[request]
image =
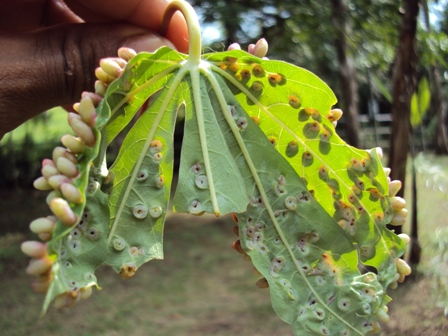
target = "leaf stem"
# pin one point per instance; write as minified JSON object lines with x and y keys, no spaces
{"x":194,"y":30}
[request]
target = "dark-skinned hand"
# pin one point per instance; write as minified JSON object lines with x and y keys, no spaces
{"x":49,"y":49}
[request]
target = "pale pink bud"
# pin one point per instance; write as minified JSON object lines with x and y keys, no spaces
{"x":48,"y":162}
{"x":52,"y":194}
{"x":100,"y":88}
{"x":81,"y":129}
{"x":34,"y":249}
{"x":62,"y":210}
{"x":96,"y":99}
{"x":394,"y":187}
{"x":403,"y":267}
{"x":57,"y":180}
{"x":110,"y":67}
{"x":387,"y":171}
{"x":250,"y":48}
{"x":75,"y":145}
{"x":234,"y":46}
{"x":42,"y":225}
{"x":41,"y":183}
{"x":66,"y":167}
{"x":48,"y":171}
{"x":397,"y":203}
{"x":71,"y":193}
{"x":399,"y":217}
{"x":126,"y":53}
{"x":76,"y":107}
{"x":57,"y":153}
{"x":336,"y":114}
{"x":103,"y":76}
{"x":45,"y":236}
{"x":261,"y":48}
{"x":405,"y":238}
{"x":87,"y":111}
{"x":39,"y":266}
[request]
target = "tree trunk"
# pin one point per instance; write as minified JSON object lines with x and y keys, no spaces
{"x":404,"y":84}
{"x":347,"y":74}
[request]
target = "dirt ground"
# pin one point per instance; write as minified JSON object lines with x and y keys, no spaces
{"x":202,"y":288}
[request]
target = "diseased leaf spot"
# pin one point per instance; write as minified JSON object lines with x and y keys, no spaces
{"x":93,"y":233}
{"x":258,"y":70}
{"x":232,"y":110}
{"x":344,"y":304}
{"x":156,"y":145}
{"x":292,"y":149}
{"x":140,"y":211}
{"x":234,"y":67}
{"x":157,"y":157}
{"x":245,"y":73}
{"x":291,"y":203}
{"x":75,"y":245}
{"x":118,"y":244}
{"x":294,"y":101}
{"x":279,"y":189}
{"x":155,"y":211}
{"x":241,"y":123}
{"x":256,"y":120}
{"x":307,"y":159}
{"x":273,"y":140}
{"x":142,"y":175}
{"x":359,"y":184}
{"x":323,"y":173}
{"x":231,"y":59}
{"x":277,"y":264}
{"x":319,"y":314}
{"x":275,"y":78}
{"x":195,"y":207}
{"x":75,"y":234}
{"x":311,"y":112}
{"x":160,"y":181}
{"x":257,"y":86}
{"x":201,"y":182}
{"x":196,"y":168}
{"x":312,"y":303}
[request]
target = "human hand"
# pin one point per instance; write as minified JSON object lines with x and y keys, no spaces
{"x":50,"y":48}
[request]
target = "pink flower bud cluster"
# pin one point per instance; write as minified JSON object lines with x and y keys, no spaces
{"x":59,"y":175}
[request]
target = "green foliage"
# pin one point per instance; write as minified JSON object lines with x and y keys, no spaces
{"x":420,"y":102}
{"x":258,"y":141}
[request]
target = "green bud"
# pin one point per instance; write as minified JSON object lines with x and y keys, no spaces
{"x":52,"y":194}
{"x":48,"y":171}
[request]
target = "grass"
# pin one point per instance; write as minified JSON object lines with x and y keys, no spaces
{"x":201,"y":288}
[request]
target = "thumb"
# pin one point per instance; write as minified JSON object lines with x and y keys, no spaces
{"x":52,"y":67}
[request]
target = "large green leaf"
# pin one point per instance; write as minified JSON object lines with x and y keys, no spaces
{"x":258,"y":141}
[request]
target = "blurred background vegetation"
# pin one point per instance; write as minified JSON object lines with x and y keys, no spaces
{"x":387,"y":62}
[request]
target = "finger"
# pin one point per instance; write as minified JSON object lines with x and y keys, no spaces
{"x":52,"y":67}
{"x":143,"y":13}
{"x":20,"y":16}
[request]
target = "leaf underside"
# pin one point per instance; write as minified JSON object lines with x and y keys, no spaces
{"x":259,"y":142}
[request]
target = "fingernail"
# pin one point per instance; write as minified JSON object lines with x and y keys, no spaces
{"x":147,"y":42}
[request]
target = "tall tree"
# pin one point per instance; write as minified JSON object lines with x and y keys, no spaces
{"x":404,"y":84}
{"x":347,"y":74}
